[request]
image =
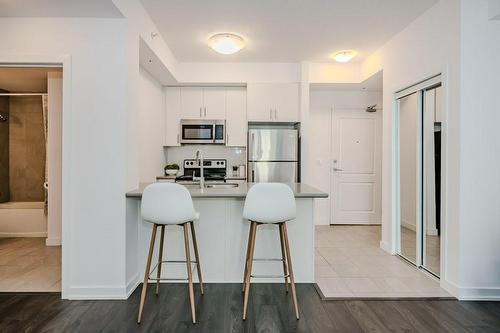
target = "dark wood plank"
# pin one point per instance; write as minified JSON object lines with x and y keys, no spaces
{"x":220,"y":310}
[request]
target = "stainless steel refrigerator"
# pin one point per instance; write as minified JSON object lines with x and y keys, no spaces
{"x":273,"y":155}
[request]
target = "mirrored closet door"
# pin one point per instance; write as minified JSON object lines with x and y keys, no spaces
{"x":419,"y":174}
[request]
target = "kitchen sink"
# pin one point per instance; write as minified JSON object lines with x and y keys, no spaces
{"x":221,"y":185}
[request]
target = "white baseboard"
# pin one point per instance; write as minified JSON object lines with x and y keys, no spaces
{"x":385,"y":246}
{"x":479,"y":294}
{"x":96,"y":293}
{"x":53,"y":241}
{"x":23,"y":234}
{"x":450,"y":287}
{"x":132,"y":285}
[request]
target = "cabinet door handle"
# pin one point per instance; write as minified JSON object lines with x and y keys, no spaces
{"x":271,"y":114}
{"x":200,"y":111}
{"x":275,"y":114}
{"x":205,"y":109}
{"x":227,"y":138}
{"x":178,"y":140}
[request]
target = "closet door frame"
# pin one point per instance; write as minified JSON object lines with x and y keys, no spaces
{"x":420,"y":89}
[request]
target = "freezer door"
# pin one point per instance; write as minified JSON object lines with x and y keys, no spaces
{"x":273,"y":145}
{"x":268,"y":172}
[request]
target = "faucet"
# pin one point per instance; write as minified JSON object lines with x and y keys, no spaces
{"x":199,"y":157}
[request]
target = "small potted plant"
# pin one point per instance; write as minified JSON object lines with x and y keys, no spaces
{"x":235,"y":170}
{"x":171,"y":169}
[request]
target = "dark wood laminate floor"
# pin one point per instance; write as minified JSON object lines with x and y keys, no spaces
{"x":220,"y":310}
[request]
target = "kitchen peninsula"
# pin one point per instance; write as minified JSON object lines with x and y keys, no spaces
{"x":222,"y":235}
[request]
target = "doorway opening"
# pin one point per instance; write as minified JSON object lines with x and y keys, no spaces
{"x":30,"y":178}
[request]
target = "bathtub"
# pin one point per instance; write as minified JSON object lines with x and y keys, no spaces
{"x":22,"y":219}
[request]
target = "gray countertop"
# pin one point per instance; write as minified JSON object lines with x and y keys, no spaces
{"x":300,"y":190}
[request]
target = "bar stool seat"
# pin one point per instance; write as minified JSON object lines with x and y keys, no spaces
{"x":269,"y":203}
{"x":169,"y":204}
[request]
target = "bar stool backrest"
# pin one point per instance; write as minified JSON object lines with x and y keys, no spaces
{"x":270,"y":203}
{"x":167,"y":203}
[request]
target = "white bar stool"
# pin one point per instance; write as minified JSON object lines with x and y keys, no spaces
{"x":169,"y":204}
{"x":269,"y":203}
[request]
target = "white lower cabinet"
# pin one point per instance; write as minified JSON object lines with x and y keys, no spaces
{"x":236,"y":117}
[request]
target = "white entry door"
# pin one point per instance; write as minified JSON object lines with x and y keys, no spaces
{"x":356,"y":170}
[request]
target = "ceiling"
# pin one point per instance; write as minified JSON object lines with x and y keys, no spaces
{"x":24,"y":79}
{"x":58,"y":8}
{"x":374,"y":84}
{"x":282,"y":30}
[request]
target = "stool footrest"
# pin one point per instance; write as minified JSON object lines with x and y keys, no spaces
{"x":270,"y":276}
{"x":267,"y":259}
{"x":193,"y":267}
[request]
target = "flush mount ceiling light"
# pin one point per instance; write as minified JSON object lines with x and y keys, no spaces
{"x":226,"y":43}
{"x":344,"y":56}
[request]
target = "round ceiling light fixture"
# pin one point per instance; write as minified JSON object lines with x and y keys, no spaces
{"x":344,"y":56}
{"x":226,"y":43}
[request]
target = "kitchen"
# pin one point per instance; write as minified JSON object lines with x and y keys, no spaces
{"x":339,"y":107}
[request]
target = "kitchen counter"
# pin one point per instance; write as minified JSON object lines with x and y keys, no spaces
{"x":222,"y":235}
{"x":300,"y":190}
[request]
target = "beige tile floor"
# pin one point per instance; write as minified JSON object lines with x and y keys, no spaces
{"x":350,"y":263}
{"x":27,"y":265}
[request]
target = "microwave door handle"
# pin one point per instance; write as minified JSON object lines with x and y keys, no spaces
{"x":214,"y":134}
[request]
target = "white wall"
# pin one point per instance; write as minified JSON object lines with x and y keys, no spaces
{"x":322,"y":102}
{"x":94,"y":142}
{"x":151,"y":115}
{"x":480,"y":154}
{"x":428,"y":46}
{"x":54,"y":157}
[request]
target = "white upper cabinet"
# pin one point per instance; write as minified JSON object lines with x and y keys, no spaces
{"x":236,"y":117}
{"x":273,"y":102}
{"x":214,"y":103}
{"x":173,"y":116}
{"x":203,"y":103}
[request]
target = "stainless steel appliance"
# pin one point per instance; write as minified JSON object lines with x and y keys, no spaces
{"x":214,"y":170}
{"x":203,"y":131}
{"x":273,"y":154}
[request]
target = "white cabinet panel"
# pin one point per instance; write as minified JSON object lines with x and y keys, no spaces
{"x":173,"y":116}
{"x":214,"y":103}
{"x":275,"y":102}
{"x":236,"y":117}
{"x":191,"y":102}
{"x":287,"y":102}
{"x":260,"y":102}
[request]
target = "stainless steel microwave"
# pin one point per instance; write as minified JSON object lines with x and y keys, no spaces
{"x":203,"y":131}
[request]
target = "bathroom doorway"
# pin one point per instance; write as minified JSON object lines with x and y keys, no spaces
{"x":30,"y":178}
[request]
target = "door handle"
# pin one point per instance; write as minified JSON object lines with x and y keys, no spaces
{"x":205,"y":109}
{"x":271,"y":114}
{"x":275,"y":114}
{"x":178,"y":138}
{"x":200,"y":111}
{"x":337,"y":169}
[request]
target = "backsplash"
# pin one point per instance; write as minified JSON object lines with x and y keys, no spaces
{"x":233,"y":155}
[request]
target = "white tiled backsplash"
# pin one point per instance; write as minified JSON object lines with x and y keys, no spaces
{"x":233,"y":155}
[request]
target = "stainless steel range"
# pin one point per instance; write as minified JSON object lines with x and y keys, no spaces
{"x":214,"y":170}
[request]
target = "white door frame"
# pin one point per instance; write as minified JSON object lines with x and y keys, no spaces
{"x":22,"y":60}
{"x":378,"y":151}
{"x":432,"y":80}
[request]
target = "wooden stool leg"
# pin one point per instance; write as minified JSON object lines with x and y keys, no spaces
{"x":146,"y":273}
{"x":289,"y":262}
{"x":197,"y":257}
{"x":160,"y":259}
{"x":190,"y":274}
{"x":246,"y":258}
{"x":253,"y":229}
{"x":283,"y":256}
